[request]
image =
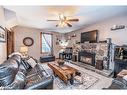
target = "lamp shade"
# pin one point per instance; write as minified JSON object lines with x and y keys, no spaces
{"x":23,"y":49}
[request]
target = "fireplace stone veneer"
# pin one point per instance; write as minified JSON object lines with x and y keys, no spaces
{"x":102,"y":52}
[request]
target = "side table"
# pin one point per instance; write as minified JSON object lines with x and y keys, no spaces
{"x":74,"y":58}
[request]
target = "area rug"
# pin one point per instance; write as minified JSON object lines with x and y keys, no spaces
{"x":87,"y":82}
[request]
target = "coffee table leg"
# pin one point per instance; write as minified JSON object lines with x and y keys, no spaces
{"x":55,"y":74}
{"x":72,"y":79}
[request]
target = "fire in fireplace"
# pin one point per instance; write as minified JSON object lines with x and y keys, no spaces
{"x":86,"y":57}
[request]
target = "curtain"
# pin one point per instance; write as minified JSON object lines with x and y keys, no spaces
{"x":10,"y":41}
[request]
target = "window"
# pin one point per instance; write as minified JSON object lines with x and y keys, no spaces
{"x":46,"y":43}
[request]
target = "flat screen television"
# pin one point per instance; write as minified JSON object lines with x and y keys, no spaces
{"x":90,"y":36}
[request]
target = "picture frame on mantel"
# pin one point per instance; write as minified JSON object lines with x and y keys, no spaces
{"x":2,"y":34}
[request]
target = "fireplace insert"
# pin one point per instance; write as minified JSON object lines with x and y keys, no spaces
{"x":86,"y":57}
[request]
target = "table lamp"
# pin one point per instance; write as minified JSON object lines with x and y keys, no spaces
{"x":24,"y":51}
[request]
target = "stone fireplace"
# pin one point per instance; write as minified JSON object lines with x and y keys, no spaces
{"x":94,"y":56}
{"x":99,"y":51}
{"x":86,"y":57}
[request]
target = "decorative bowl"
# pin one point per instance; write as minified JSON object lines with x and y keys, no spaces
{"x":60,"y":62}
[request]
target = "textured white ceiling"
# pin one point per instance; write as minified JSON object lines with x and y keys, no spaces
{"x":36,"y":16}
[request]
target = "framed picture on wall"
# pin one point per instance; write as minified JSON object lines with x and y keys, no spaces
{"x":2,"y":34}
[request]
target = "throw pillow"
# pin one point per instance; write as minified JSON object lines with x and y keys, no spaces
{"x":32,"y":62}
{"x":26,"y":64}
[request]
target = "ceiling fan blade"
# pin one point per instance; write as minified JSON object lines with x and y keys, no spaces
{"x":73,"y":20}
{"x":69,"y":24}
{"x":52,"y":20}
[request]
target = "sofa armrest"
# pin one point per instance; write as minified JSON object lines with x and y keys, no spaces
{"x":38,"y":78}
{"x":118,"y":83}
{"x":40,"y":84}
{"x":18,"y":83}
{"x":122,"y":73}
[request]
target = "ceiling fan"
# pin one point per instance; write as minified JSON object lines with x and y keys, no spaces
{"x":63,"y":21}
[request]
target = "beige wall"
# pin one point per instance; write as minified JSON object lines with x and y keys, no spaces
{"x":2,"y":45}
{"x":34,"y":50}
{"x":119,"y":37}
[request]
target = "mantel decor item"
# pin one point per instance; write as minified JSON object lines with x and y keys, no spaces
{"x":2,"y":34}
{"x":60,"y":62}
{"x":28,"y":41}
{"x":117,"y":27}
{"x":74,"y":35}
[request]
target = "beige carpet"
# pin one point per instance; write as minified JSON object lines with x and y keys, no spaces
{"x":103,"y":81}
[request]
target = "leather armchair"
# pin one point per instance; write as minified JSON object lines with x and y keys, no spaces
{"x":119,"y":82}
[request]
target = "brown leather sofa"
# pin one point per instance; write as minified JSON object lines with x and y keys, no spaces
{"x":16,"y":73}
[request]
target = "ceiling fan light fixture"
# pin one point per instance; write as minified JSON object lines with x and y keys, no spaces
{"x":64,"y":21}
{"x":61,"y":16}
{"x":62,"y":24}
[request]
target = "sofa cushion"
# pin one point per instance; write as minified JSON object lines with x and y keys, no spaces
{"x":23,"y":69}
{"x":7,"y":76}
{"x":19,"y":81}
{"x":32,"y":62}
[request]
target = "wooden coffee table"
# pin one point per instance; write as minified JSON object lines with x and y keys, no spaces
{"x":65,"y":72}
